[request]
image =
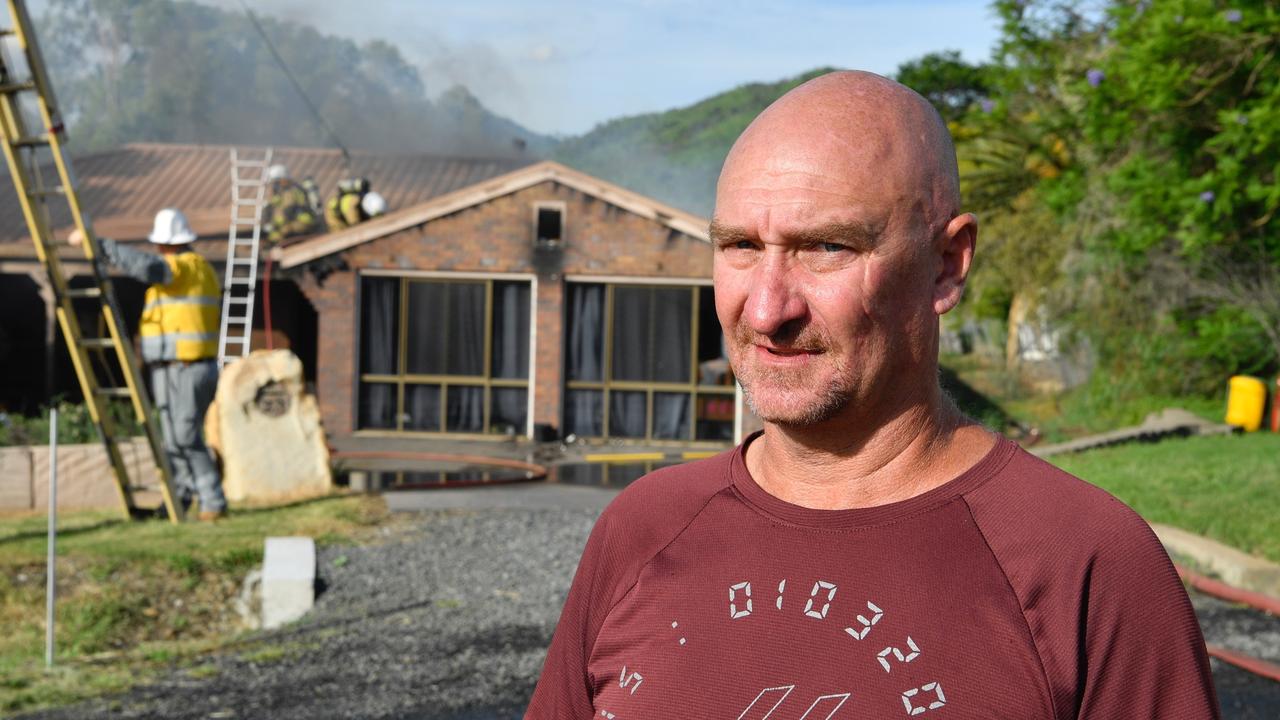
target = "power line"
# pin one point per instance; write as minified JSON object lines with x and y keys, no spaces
{"x":346,"y":156}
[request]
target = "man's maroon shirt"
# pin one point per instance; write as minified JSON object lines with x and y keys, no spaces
{"x":1013,"y":591}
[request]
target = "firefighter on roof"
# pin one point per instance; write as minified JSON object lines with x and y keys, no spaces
{"x":353,"y":204}
{"x":288,"y":212}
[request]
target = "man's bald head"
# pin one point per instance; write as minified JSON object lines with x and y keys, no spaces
{"x":868,"y":127}
{"x":838,"y":244}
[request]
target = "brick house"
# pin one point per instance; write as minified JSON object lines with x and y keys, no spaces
{"x":498,"y":298}
{"x":540,"y":303}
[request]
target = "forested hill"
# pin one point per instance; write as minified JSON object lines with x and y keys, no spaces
{"x":183,"y":72}
{"x":165,"y":71}
{"x":674,"y":156}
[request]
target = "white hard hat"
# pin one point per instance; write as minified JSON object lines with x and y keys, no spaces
{"x":171,"y":228}
{"x":373,"y":204}
{"x":277,"y":172}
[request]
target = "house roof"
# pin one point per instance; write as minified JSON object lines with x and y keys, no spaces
{"x":122,"y":189}
{"x":320,"y":246}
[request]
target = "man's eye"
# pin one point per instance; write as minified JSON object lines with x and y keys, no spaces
{"x":743,"y":245}
{"x":831,"y":247}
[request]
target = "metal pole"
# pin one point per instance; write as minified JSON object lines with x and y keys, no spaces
{"x":50,"y":590}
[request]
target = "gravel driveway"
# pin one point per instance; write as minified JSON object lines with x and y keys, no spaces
{"x":449,"y":618}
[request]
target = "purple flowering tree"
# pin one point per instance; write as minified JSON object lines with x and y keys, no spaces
{"x":1148,"y":134}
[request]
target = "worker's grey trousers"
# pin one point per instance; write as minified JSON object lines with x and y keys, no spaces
{"x":183,"y":393}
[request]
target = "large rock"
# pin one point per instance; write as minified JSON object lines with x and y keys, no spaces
{"x":267,"y":430}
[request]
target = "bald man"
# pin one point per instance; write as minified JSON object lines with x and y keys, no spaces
{"x":872,"y":553}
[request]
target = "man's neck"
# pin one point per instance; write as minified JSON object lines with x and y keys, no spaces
{"x":834,"y":466}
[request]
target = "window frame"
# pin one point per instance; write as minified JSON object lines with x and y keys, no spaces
{"x":606,"y":384}
{"x":402,"y":378}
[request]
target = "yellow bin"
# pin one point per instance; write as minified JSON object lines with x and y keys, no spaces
{"x":1245,"y":401}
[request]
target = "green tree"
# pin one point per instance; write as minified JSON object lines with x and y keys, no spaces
{"x":950,"y":83}
{"x":1151,"y":131}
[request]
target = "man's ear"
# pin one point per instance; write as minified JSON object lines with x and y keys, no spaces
{"x":955,"y":246}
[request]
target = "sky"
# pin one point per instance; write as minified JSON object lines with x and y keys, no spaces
{"x":563,"y":66}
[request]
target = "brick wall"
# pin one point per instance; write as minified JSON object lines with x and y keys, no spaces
{"x":496,"y":236}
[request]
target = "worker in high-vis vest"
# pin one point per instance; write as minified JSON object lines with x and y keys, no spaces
{"x":179,"y":343}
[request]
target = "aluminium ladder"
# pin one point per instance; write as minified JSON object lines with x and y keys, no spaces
{"x":248,"y":192}
{"x":105,"y":363}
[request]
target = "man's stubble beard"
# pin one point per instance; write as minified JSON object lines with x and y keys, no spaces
{"x":827,"y":401}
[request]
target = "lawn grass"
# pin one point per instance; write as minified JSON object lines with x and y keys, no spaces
{"x":1223,"y":487}
{"x":137,"y":597}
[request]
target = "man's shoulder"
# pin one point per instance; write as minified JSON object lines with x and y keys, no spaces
{"x":662,"y":503}
{"x":1042,"y":509}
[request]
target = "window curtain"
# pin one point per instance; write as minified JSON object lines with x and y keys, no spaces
{"x":671,"y":348}
{"x":632,"y":353}
{"x":422,"y":407}
{"x":377,"y":406}
{"x":632,"y":331}
{"x":425,"y":337}
{"x":651,"y":328}
{"x":671,"y":416}
{"x":466,"y":409}
{"x":464,"y":338}
{"x":627,"y":414}
{"x":510,"y":330}
{"x":379,"y":325}
{"x":509,"y":409}
{"x":584,"y":359}
{"x":379,"y":345}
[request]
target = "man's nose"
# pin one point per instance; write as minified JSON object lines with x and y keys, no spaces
{"x":775,"y":299}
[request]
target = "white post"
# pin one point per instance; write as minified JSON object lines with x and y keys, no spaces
{"x":50,"y":588}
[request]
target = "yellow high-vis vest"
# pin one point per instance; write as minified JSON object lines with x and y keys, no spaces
{"x":180,"y":320}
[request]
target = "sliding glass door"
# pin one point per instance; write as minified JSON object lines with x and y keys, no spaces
{"x":645,"y":362}
{"x":444,"y":355}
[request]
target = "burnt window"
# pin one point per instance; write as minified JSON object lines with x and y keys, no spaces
{"x":549,"y":224}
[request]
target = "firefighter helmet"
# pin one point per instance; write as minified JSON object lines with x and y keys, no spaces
{"x":171,"y":228}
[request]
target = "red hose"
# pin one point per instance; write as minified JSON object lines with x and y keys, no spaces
{"x":1248,"y":663}
{"x":266,"y":302}
{"x":1218,"y":589}
{"x":1255,"y":600}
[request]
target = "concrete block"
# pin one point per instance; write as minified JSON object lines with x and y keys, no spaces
{"x":288,"y":579}
{"x":1235,"y":568}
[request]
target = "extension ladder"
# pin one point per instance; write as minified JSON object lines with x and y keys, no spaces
{"x":28,"y":103}
{"x":248,"y":192}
